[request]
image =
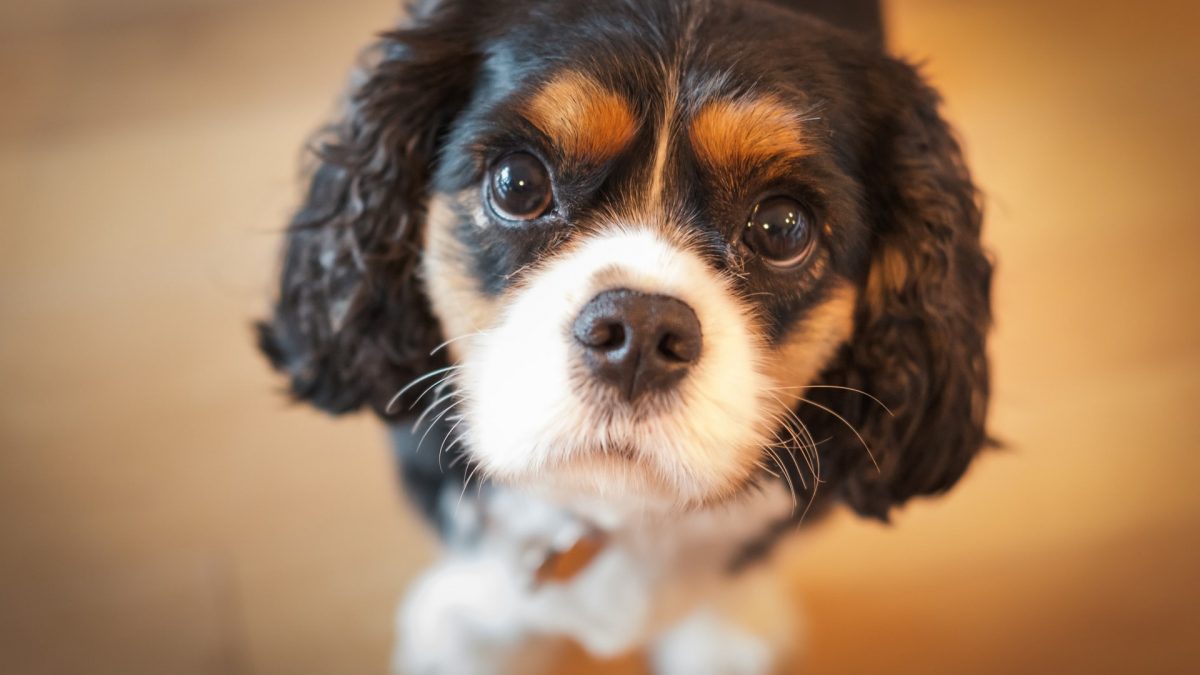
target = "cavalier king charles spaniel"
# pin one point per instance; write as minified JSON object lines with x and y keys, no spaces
{"x":639,"y":287}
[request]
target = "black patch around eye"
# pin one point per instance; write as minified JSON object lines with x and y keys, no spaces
{"x":498,"y":252}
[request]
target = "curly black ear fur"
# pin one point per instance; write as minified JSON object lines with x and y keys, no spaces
{"x":922,"y":320}
{"x":352,"y":324}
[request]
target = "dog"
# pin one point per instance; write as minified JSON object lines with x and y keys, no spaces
{"x":640,"y":288}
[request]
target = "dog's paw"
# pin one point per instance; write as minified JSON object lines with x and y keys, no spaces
{"x":704,"y":644}
{"x":454,"y":621}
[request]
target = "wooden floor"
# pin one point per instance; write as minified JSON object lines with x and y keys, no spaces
{"x":162,"y":510}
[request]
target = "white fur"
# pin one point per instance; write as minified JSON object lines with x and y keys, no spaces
{"x":532,"y":415}
{"x":474,"y":612}
{"x":459,"y":617}
{"x":749,"y":627}
{"x":706,"y":644}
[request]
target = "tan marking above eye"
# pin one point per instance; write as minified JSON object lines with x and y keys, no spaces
{"x":734,"y":135}
{"x":583,"y":117}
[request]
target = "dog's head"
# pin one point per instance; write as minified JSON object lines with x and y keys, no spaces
{"x":658,"y":252}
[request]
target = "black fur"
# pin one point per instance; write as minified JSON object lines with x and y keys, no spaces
{"x":921,"y":329}
{"x":352,"y":324}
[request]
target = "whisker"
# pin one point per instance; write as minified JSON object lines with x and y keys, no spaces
{"x":786,"y":477}
{"x":799,"y":474}
{"x":517,"y":271}
{"x":812,"y":462}
{"x":430,"y":388}
{"x":459,"y":458}
{"x":433,"y":423}
{"x":449,"y":434}
{"x":413,"y":383}
{"x":851,"y":428}
{"x":452,"y":340}
{"x":816,"y":458}
{"x":811,"y":444}
{"x":464,"y":489}
{"x":782,"y":445}
{"x":834,"y":386}
{"x":812,"y":497}
{"x":430,"y":408}
{"x":800,"y":446}
{"x":767,"y":469}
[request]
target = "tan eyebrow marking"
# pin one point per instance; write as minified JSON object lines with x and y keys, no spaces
{"x":585,"y":118}
{"x":735,"y":134}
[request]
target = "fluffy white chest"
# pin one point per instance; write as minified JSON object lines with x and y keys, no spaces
{"x":650,"y":572}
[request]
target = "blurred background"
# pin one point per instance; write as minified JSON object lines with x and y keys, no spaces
{"x":164,"y":510}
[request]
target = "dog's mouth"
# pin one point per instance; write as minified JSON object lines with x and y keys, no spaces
{"x":616,"y":477}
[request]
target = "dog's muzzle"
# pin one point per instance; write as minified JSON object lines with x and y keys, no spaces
{"x":638,"y":342}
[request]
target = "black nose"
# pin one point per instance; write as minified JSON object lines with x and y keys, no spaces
{"x":638,"y":342}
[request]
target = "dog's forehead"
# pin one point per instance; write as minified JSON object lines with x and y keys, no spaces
{"x":715,"y":49}
{"x":589,"y":119}
{"x":597,"y":79}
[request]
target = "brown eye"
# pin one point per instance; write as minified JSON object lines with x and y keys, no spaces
{"x":520,"y":187}
{"x":779,"y":232}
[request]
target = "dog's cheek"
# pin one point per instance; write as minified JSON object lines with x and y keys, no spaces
{"x":519,"y":395}
{"x":454,"y":293}
{"x":809,"y":346}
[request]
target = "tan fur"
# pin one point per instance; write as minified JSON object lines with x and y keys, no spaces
{"x":729,"y":136}
{"x":583,"y":118}
{"x":814,"y":341}
{"x":888,"y":275}
{"x":454,"y":293}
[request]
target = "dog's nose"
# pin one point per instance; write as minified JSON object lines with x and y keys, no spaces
{"x":638,"y":342}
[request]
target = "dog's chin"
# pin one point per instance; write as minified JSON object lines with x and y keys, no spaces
{"x":622,"y":479}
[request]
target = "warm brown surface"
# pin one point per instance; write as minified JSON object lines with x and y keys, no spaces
{"x":162,"y":511}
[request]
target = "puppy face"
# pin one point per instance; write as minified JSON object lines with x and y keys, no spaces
{"x":640,"y":262}
{"x":669,"y":251}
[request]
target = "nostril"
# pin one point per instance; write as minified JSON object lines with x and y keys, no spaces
{"x":614,"y":338}
{"x":675,"y":347}
{"x":600,"y":334}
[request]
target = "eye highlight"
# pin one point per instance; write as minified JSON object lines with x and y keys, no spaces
{"x":780,"y":232}
{"x":519,"y":187}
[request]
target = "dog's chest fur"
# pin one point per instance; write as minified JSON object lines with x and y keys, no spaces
{"x":649,"y":572}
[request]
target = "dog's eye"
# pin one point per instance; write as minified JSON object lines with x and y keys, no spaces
{"x":520,"y":187}
{"x":779,"y":231}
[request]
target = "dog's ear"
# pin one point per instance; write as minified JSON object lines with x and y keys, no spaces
{"x":922,"y":320}
{"x":351,"y":324}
